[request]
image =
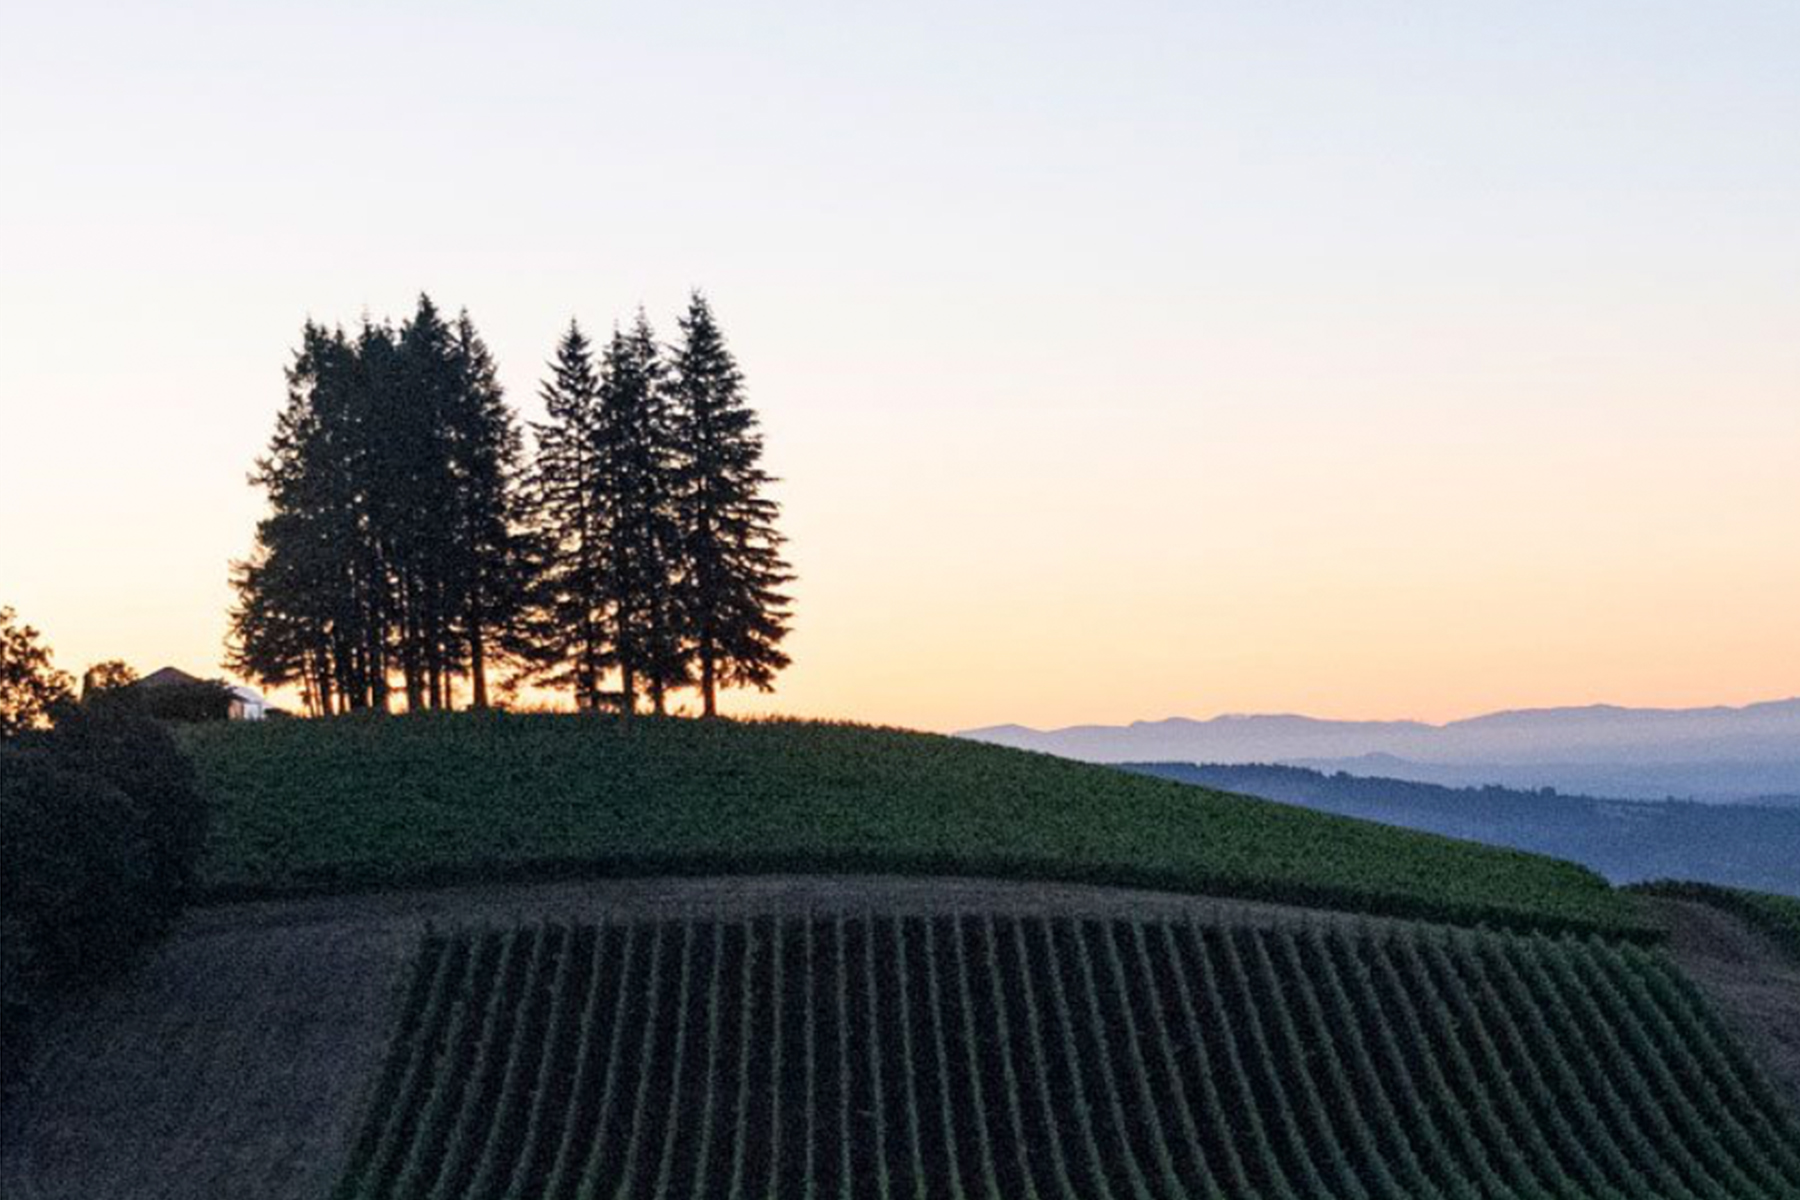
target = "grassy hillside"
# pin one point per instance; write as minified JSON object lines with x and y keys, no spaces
{"x":1776,"y":916}
{"x":1030,"y":1057}
{"x":358,"y":803}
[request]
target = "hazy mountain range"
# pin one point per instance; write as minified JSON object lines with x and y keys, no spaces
{"x":1714,"y":754}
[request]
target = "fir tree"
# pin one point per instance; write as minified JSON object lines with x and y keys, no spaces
{"x":491,"y":560}
{"x":419,"y":429}
{"x":379,"y":499}
{"x":734,"y":609}
{"x":574,"y":648}
{"x":643,"y":543}
{"x":298,"y":618}
{"x":394,"y":538}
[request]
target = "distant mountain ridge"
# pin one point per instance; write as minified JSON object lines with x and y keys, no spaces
{"x":1712,"y":753}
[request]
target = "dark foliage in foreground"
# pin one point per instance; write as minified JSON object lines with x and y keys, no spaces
{"x":201,"y":700}
{"x":1007,"y":1056}
{"x":103,"y":825}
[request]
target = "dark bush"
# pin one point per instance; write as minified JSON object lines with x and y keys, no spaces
{"x":202,"y":700}
{"x":101,"y":825}
{"x":112,"y":739}
{"x":75,"y":871}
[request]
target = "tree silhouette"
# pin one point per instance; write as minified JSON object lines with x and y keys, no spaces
{"x":394,"y":538}
{"x":643,"y":550}
{"x":492,"y":560}
{"x":574,"y":646}
{"x":408,"y":536}
{"x":736,"y":612}
{"x":30,"y":685}
{"x":108,"y":676}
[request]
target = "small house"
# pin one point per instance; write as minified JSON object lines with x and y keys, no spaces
{"x":175,"y":695}
{"x":247,"y":704}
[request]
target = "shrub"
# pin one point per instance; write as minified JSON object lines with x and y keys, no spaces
{"x":202,"y":700}
{"x":75,"y":872}
{"x":110,"y":738}
{"x":101,"y":826}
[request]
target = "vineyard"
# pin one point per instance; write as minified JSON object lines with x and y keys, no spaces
{"x":1025,"y":1056}
{"x":345,"y":804}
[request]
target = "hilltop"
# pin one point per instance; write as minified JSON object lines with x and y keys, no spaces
{"x":347,"y":804}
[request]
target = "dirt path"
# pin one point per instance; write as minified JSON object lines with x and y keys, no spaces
{"x":1755,"y":986}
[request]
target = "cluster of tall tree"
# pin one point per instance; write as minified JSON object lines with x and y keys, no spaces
{"x":414,"y":544}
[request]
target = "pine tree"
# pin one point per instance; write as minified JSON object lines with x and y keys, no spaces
{"x":379,"y":497}
{"x":490,"y":563}
{"x":574,"y":648}
{"x":419,"y":427}
{"x":732,"y":602}
{"x":297,"y":619}
{"x":643,"y":543}
{"x":394,"y":533}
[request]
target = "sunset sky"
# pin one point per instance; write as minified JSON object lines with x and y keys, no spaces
{"x":1119,"y":360}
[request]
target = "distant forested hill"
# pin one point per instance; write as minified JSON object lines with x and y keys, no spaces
{"x":1747,"y":846}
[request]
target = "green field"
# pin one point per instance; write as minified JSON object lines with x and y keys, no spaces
{"x":380,"y":802}
{"x":1017,"y":1056}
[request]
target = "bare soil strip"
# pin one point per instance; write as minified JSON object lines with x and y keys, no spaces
{"x":1750,"y":980}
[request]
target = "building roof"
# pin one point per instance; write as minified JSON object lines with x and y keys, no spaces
{"x":168,"y":677}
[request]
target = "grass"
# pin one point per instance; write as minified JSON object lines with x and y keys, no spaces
{"x":367,"y":803}
{"x":1778,"y":917}
{"x":1018,"y":1056}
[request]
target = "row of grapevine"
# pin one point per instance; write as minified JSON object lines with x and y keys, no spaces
{"x":992,"y":1056}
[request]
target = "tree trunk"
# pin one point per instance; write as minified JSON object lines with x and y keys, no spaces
{"x":378,"y":670}
{"x":434,"y":668}
{"x":409,"y":651}
{"x":477,"y":666}
{"x":587,"y":677}
{"x":709,"y":705}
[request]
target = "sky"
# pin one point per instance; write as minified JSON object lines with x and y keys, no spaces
{"x":1118,"y":361}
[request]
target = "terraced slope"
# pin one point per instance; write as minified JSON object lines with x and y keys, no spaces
{"x":1028,"y":1056}
{"x":379,"y":802}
